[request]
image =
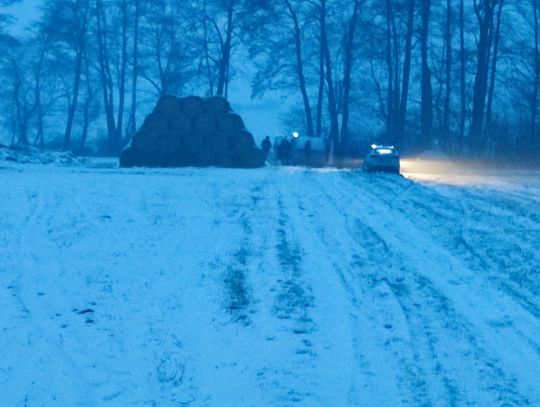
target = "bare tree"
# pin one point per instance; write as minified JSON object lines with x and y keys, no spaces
{"x":485,"y":12}
{"x":349,"y":57}
{"x":494,"y":59}
{"x":132,"y":121}
{"x":448,"y":72}
{"x":426,"y":120}
{"x":300,"y":66}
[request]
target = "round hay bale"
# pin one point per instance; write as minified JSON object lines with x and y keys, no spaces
{"x":181,"y":123}
{"x":172,"y":152}
{"x":180,"y":136}
{"x":168,"y":106}
{"x":253,"y":158}
{"x":245,"y":141}
{"x":152,"y":158}
{"x":155,"y":123}
{"x":171,"y":141}
{"x":217,"y":105}
{"x":192,"y":106}
{"x":241,"y":141}
{"x":215,"y":143}
{"x":181,"y":157}
{"x":130,"y":157}
{"x":224,"y":160}
{"x":204,"y":124}
{"x":206,"y":159}
{"x":230,"y":123}
{"x":145,"y":140}
{"x":194,"y":144}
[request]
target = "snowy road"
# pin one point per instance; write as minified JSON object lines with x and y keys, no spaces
{"x":271,"y":287}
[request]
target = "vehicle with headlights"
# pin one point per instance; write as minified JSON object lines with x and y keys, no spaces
{"x":309,"y":151}
{"x":382,"y":158}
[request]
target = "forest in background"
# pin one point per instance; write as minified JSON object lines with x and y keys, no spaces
{"x":462,"y":76}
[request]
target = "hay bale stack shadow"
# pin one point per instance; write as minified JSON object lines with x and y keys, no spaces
{"x":192,"y":131}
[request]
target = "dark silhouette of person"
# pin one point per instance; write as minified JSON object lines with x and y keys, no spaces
{"x":266,"y":146}
{"x":285,"y":151}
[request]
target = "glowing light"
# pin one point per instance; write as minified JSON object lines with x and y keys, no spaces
{"x":385,"y":151}
{"x":374,"y":146}
{"x":296,"y":134}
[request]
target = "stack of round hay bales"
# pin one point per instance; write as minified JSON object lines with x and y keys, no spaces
{"x":193,"y":131}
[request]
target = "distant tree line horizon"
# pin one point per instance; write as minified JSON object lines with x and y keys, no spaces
{"x":459,"y":75}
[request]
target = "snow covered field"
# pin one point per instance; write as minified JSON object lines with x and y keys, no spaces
{"x":271,"y":287}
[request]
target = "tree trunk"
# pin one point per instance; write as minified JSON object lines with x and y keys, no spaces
{"x":320,"y":95}
{"x":448,"y":84}
{"x":23,"y":132}
{"x":21,"y":112}
{"x":88,"y":101}
{"x":22,"y":136}
{"x":38,"y":102}
{"x":40,"y":142}
{"x":485,"y":13}
{"x":406,"y":76}
{"x":492,"y":82}
{"x":72,"y":108}
{"x":390,"y":115}
{"x":347,"y":71}
{"x":332,"y":105}
{"x":86,"y":121}
{"x":79,"y":53}
{"x":132,"y":122}
{"x":426,"y":121}
{"x":396,"y":100}
{"x":226,"y":51}
{"x":209,"y":73}
{"x":300,"y":69}
{"x":462,"y":82}
{"x":123,"y":69}
{"x":106,"y":81}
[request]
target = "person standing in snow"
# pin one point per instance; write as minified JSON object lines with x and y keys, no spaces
{"x":285,"y":151}
{"x":266,"y":146}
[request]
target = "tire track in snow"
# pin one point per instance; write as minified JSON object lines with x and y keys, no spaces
{"x":279,"y":382}
{"x":510,"y":258}
{"x":465,"y":204}
{"x":293,"y":301}
{"x":262,"y":286}
{"x":45,"y":347}
{"x":384,"y":301}
{"x":35,"y":205}
{"x":507,"y":384}
{"x":346,"y":205}
{"x":336,"y":379}
{"x":244,"y":212}
{"x":239,"y":293}
{"x":377,"y":379}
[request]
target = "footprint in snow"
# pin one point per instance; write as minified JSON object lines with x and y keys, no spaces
{"x":171,"y":370}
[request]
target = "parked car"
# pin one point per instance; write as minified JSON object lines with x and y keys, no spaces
{"x":382,"y":158}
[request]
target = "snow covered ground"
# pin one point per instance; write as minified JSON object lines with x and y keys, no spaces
{"x":272,"y":287}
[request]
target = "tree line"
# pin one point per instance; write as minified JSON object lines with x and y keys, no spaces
{"x":459,"y":75}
